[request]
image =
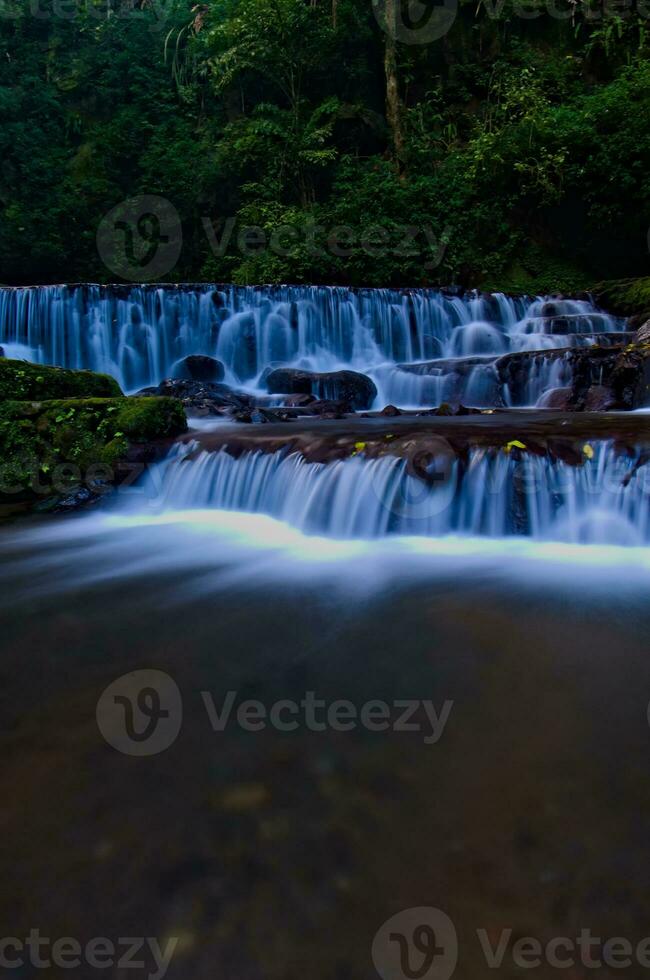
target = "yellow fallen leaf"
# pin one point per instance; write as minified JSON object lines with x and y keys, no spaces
{"x":359,"y":446}
{"x":588,"y":450}
{"x":513,"y":444}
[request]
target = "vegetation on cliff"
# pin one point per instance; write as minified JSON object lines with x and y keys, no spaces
{"x":52,"y":445}
{"x":515,"y":145}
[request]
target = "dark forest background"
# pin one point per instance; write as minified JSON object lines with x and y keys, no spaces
{"x":520,"y":139}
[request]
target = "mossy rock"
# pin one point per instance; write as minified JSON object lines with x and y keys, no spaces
{"x":627,"y":297}
{"x":21,"y":380}
{"x":51,"y":446}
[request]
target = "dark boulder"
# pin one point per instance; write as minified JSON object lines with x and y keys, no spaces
{"x":600,"y":398}
{"x":202,"y":397}
{"x":637,"y":320}
{"x":199,"y":367}
{"x":326,"y":409}
{"x":357,"y":390}
{"x":630,"y":379}
{"x":556,"y":398}
{"x":550,"y":310}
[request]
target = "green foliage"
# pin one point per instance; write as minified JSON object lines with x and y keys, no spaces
{"x":629,"y":296}
{"x":76,"y":441}
{"x":526,"y":161}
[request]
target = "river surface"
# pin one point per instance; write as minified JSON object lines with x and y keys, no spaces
{"x":305,"y":678}
{"x":280,"y":854}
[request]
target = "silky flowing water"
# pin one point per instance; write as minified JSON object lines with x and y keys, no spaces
{"x":512,"y":590}
{"x":420,"y":346}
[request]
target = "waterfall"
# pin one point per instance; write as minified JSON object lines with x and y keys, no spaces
{"x":420,"y":346}
{"x":606,"y":500}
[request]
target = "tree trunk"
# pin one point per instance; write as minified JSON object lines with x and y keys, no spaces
{"x":394,"y":107}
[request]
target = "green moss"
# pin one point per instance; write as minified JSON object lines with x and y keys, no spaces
{"x":628,"y":297}
{"x":53,"y":445}
{"x":21,"y":380}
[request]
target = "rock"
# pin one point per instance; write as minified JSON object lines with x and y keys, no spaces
{"x":2,"y":352}
{"x":21,"y":380}
{"x":466,"y":410}
{"x":202,"y":397}
{"x":444,"y":409}
{"x":643,"y":333}
{"x":260,"y":416}
{"x":599,"y":398}
{"x":636,"y":320}
{"x":514,"y":370}
{"x":242,"y":415}
{"x":630,"y":378}
{"x":298,"y":401}
{"x":81,"y":497}
{"x":325,"y":408}
{"x":199,"y":367}
{"x":431,"y":460}
{"x":357,"y":390}
{"x":55,"y":447}
{"x":550,"y":310}
{"x":566,"y":451}
{"x":390,"y":411}
{"x":556,"y":398}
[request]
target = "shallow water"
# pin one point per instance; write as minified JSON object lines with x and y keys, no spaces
{"x":281,"y":853}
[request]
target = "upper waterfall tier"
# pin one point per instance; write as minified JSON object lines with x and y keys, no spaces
{"x":420,"y":346}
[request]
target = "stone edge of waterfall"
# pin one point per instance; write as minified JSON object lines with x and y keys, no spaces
{"x":138,"y":333}
{"x":488,"y":494}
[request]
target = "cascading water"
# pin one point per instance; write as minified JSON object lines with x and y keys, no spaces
{"x":420,"y":346}
{"x":604,"y":501}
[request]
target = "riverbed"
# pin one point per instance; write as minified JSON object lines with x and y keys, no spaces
{"x":280,"y":853}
